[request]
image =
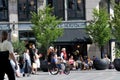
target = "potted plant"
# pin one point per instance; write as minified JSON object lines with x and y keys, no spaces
{"x":19,"y":47}
{"x":117,"y":59}
{"x":100,"y":32}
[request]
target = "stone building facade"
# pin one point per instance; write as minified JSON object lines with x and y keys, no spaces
{"x":75,"y":15}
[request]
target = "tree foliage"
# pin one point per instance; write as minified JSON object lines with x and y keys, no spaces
{"x":45,"y":26}
{"x":99,"y":29}
{"x":19,"y":47}
{"x":116,"y":22}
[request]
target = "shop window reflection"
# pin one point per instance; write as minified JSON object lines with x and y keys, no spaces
{"x":3,"y":10}
{"x":25,"y":7}
{"x":26,"y":34}
{"x":58,"y":8}
{"x":76,"y":9}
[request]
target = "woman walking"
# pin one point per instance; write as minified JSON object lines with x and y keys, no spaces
{"x":6,"y":53}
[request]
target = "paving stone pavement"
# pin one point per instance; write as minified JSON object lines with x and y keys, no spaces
{"x":76,"y":75}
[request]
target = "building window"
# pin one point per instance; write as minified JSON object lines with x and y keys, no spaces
{"x":76,"y":9}
{"x":3,"y":10}
{"x":104,"y":4}
{"x":26,"y":35}
{"x":25,"y":7}
{"x":58,"y":7}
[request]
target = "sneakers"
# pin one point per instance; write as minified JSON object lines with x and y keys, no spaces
{"x":27,"y":75}
{"x":23,"y":75}
{"x":49,"y":73}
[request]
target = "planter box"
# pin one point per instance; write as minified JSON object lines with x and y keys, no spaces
{"x":101,"y":64}
{"x":44,"y":65}
{"x":117,"y":64}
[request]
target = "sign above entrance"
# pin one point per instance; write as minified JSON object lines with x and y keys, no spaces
{"x":72,"y":25}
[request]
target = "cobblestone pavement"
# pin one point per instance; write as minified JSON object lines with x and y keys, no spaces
{"x":76,"y":75}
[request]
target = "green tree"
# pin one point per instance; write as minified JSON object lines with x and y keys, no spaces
{"x":19,"y":47}
{"x":99,"y":29}
{"x":115,"y":23}
{"x":45,"y":27}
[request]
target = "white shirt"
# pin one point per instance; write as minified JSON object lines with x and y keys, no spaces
{"x":6,"y":46}
{"x":61,"y":55}
{"x":26,"y":56}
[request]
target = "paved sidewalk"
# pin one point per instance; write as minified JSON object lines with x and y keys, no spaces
{"x":77,"y":75}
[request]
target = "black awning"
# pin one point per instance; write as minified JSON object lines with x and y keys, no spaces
{"x":71,"y":35}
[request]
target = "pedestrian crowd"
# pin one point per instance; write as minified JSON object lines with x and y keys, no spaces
{"x":25,"y":65}
{"x":29,"y":61}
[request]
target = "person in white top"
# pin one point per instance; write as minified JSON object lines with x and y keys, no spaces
{"x":36,"y":65}
{"x":26,"y":57}
{"x":27,"y":63}
{"x":6,"y":53}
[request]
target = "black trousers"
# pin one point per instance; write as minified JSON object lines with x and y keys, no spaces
{"x":5,"y":66}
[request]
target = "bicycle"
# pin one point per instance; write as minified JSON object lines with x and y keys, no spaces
{"x":54,"y":70}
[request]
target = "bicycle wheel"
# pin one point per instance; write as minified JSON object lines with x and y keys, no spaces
{"x":67,"y":71}
{"x":54,"y":71}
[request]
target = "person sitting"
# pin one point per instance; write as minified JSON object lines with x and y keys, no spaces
{"x":85,"y":63}
{"x":90,"y":63}
{"x":72,"y":62}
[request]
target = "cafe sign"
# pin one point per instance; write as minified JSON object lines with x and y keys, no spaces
{"x":72,"y":25}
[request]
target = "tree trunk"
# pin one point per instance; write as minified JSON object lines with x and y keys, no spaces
{"x":102,"y":52}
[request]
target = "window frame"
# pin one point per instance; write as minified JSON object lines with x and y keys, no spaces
{"x":75,"y":11}
{"x":63,"y":17}
{"x":5,"y":11}
{"x":27,"y":32}
{"x":27,"y":12}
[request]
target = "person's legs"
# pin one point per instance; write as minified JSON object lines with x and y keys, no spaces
{"x":29,"y":69}
{"x":2,"y":75}
{"x":63,"y":65}
{"x":3,"y":61}
{"x":10,"y":72}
